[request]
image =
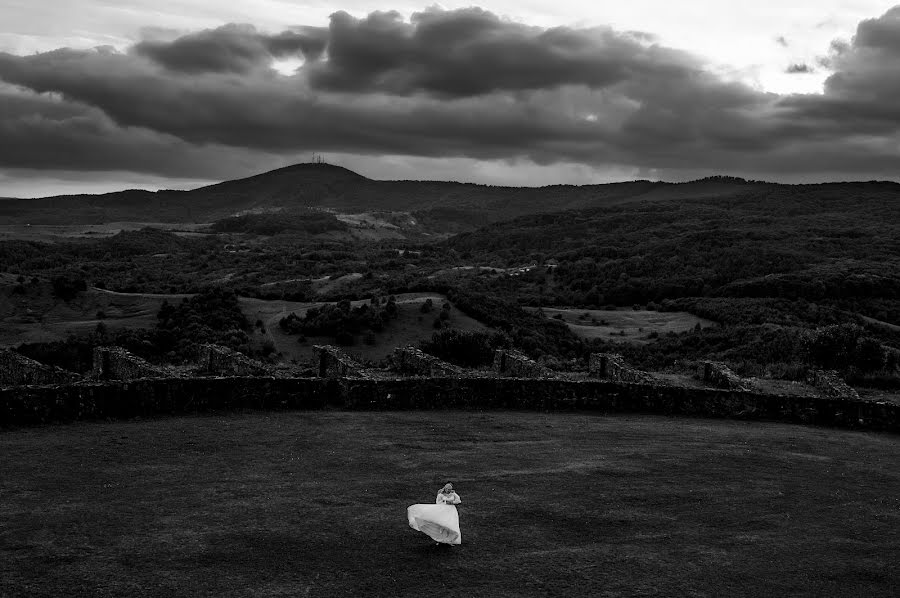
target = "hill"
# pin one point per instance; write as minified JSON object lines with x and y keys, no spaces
{"x":432,"y":206}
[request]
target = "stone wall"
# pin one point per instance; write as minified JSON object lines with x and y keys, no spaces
{"x":513,"y":364}
{"x":16,"y":370}
{"x":413,"y":362}
{"x":32,"y":405}
{"x":615,"y":397}
{"x":115,"y":363}
{"x":215,"y":359}
{"x":832,"y":385}
{"x":612,"y":366}
{"x":720,"y":375}
{"x":334,"y":363}
{"x":38,"y":405}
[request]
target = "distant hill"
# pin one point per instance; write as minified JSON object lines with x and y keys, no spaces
{"x":838,"y":243}
{"x":444,"y":205}
{"x":434,"y":206}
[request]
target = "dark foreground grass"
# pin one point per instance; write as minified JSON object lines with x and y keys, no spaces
{"x":314,"y":504}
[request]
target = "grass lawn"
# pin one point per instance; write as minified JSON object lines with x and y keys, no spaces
{"x":314,"y":504}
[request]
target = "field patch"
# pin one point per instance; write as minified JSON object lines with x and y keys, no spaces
{"x":36,"y":316}
{"x":409,"y":328}
{"x":625,"y":325}
{"x":313,"y":504}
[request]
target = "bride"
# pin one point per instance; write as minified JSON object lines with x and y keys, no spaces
{"x":440,"y":520}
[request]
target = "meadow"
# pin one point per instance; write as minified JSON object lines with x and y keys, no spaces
{"x":626,"y":325}
{"x":313,"y":504}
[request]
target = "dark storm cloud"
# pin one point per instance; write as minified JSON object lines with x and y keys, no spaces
{"x":232,"y":48}
{"x":799,"y":68}
{"x":41,"y":132}
{"x":462,"y":84}
{"x":472,"y":52}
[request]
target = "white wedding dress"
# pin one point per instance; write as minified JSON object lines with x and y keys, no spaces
{"x":440,"y":520}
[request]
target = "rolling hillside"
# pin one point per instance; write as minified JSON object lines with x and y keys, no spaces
{"x":435,"y":206}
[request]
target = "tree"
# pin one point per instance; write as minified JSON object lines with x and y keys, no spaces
{"x":67,"y":286}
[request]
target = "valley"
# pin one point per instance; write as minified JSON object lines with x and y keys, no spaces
{"x":756,"y":275}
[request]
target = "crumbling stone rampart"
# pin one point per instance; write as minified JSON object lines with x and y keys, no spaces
{"x":512,"y":364}
{"x":832,"y":385}
{"x":35,"y":405}
{"x":115,"y":363}
{"x":720,"y":375}
{"x":219,"y":360}
{"x":334,"y":363}
{"x":18,"y":370}
{"x":612,"y":366}
{"x":413,"y":362}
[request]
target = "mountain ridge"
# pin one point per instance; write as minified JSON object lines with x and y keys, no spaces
{"x":446,"y":206}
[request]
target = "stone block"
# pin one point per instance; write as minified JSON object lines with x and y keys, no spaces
{"x":219,"y":360}
{"x":115,"y":363}
{"x":334,"y":363}
{"x":512,"y":364}
{"x":18,"y":370}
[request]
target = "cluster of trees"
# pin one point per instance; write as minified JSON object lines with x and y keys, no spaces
{"x":821,"y":248}
{"x":471,"y":349}
{"x":341,"y":320}
{"x":296,"y":220}
{"x":212,"y":316}
{"x":531,"y":332}
{"x":67,"y":286}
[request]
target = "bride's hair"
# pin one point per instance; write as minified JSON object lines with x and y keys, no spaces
{"x":447,"y":486}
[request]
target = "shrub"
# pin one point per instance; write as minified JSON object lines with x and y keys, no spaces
{"x":842,"y":346}
{"x":67,"y":286}
{"x":467,"y":349}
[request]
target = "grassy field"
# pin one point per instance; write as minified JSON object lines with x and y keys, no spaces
{"x":626,"y":325}
{"x":409,"y":328}
{"x":65,"y":232}
{"x":38,"y":316}
{"x":313,"y":504}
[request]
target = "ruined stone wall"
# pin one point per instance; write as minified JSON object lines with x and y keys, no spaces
{"x":615,"y":397}
{"x":613,"y":367}
{"x":215,"y":359}
{"x":513,"y":364}
{"x":334,"y":363}
{"x":36,"y":405}
{"x":413,"y":362}
{"x":115,"y":363}
{"x":832,"y":385}
{"x":720,"y":376}
{"x":16,"y":370}
{"x":33,"y":405}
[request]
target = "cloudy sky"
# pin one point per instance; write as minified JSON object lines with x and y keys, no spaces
{"x":97,"y":95}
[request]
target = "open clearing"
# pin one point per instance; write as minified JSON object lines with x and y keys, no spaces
{"x":625,"y":325}
{"x":68,"y":232}
{"x":409,"y":328}
{"x":39,"y":317}
{"x":314,"y":504}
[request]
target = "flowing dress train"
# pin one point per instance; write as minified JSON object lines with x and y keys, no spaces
{"x":440,"y":521}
